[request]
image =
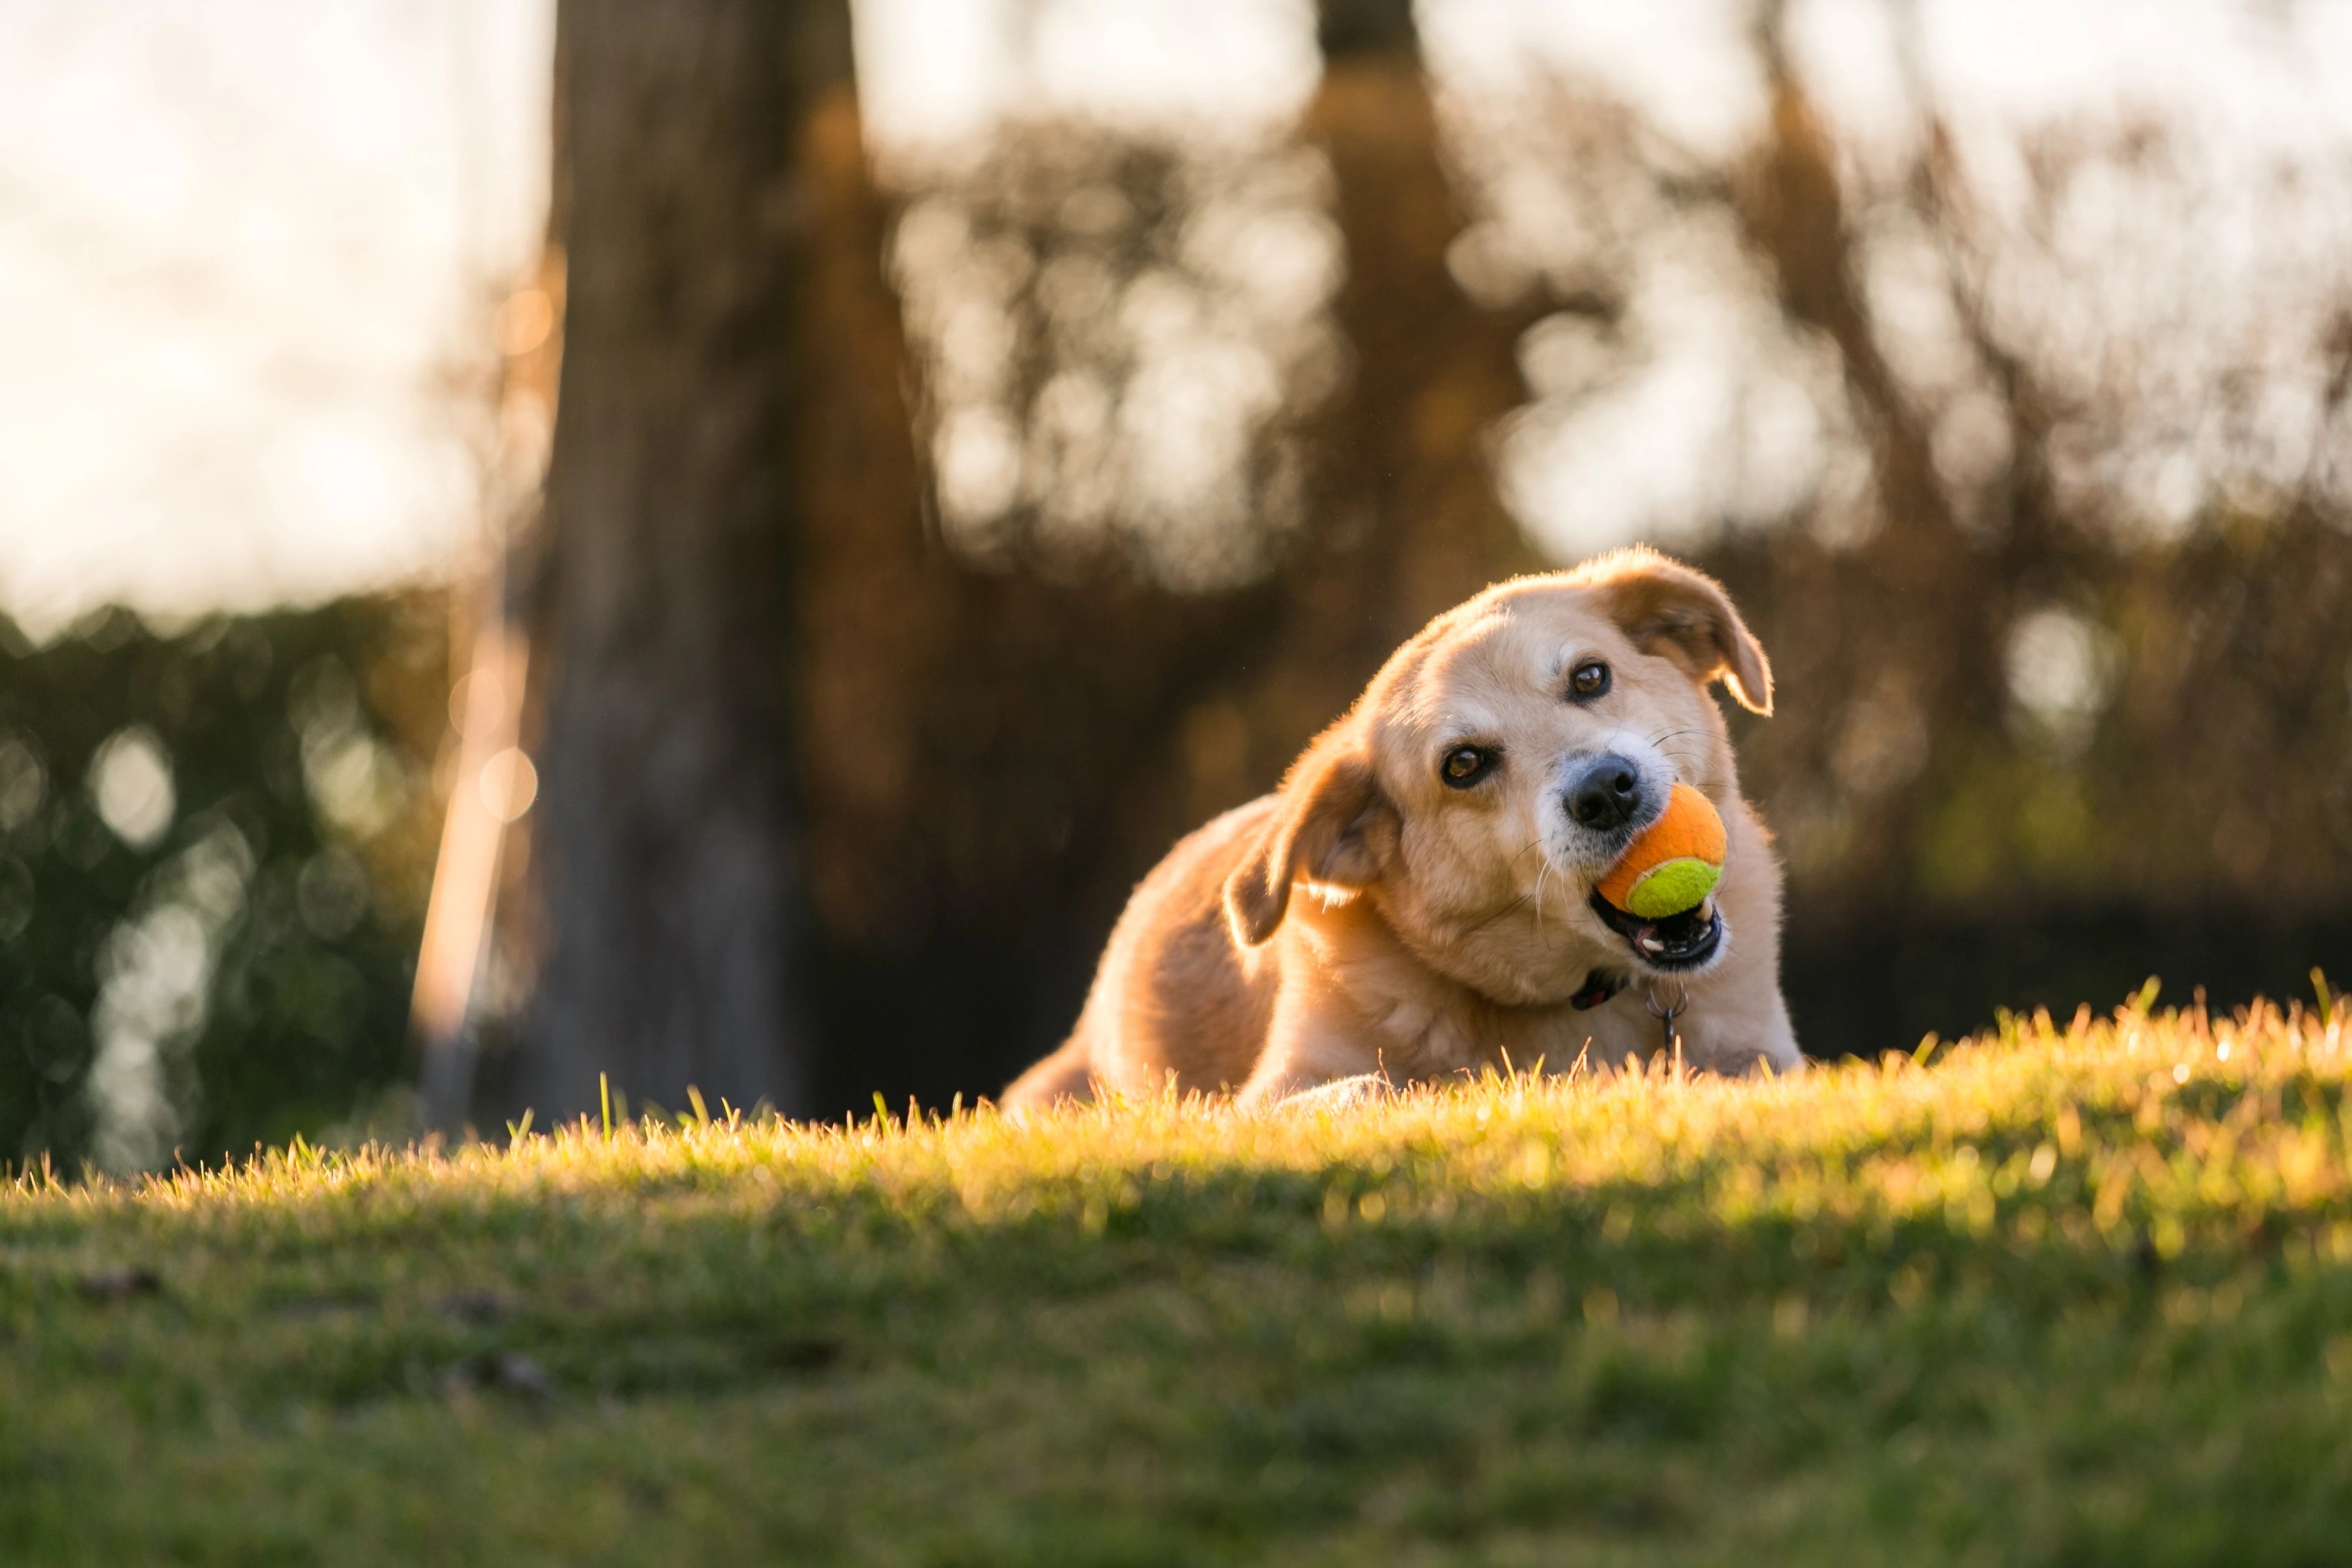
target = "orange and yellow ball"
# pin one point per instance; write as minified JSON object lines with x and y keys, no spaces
{"x":1673,"y":864}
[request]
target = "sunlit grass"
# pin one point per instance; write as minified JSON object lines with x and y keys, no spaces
{"x":2072,"y":1292}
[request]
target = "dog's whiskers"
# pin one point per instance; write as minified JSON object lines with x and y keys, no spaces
{"x":1500,"y":914}
{"x":1681,"y":761}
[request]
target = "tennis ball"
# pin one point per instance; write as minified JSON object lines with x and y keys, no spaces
{"x":1673,"y":864}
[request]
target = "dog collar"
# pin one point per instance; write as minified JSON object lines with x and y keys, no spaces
{"x":1598,"y":988}
{"x":1670,"y":1041}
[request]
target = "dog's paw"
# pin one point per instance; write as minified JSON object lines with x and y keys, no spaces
{"x":1339,"y":1094}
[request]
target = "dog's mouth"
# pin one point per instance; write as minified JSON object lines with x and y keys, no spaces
{"x":1682,"y":941}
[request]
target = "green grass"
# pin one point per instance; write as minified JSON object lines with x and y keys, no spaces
{"x":2065,"y":1295}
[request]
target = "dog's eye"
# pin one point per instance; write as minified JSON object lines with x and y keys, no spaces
{"x":1591,"y":679}
{"x":1465,"y":766}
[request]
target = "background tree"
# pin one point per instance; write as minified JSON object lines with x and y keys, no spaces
{"x":1407,"y":521}
{"x":667,"y":848}
{"x":213,"y":849}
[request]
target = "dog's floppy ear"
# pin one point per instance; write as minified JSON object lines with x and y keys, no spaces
{"x":1670,"y":609}
{"x":1324,"y":826}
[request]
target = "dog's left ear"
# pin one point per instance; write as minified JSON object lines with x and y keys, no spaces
{"x":1326,"y":826}
{"x":1669,"y":609}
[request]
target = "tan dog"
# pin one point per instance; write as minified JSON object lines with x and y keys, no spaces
{"x":1416,"y":900}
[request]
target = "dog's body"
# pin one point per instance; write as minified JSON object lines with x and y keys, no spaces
{"x":1442,"y":841}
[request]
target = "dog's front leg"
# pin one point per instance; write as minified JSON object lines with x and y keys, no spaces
{"x":1315,"y":1049}
{"x":1339,"y":1094}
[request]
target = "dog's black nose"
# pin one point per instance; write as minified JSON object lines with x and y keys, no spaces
{"x":1605,"y":795}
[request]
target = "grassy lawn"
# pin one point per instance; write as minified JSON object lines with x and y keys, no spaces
{"x":2066,"y":1295}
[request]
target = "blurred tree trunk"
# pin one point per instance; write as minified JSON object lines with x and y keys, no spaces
{"x":1408,"y":521}
{"x":665,"y":848}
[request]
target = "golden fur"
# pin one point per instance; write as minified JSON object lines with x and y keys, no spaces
{"x":1367,"y":925}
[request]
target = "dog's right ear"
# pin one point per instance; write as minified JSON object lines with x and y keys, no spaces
{"x":1685,"y":615}
{"x":1326,"y":826}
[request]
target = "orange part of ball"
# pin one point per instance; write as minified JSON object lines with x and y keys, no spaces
{"x":1688,"y":828}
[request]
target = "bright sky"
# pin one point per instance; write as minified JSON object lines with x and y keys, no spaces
{"x":245,"y":244}
{"x":240,"y":242}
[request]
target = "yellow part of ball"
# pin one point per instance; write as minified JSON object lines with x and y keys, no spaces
{"x":1675,"y":863}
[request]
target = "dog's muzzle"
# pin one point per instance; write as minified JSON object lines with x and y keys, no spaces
{"x":1678,"y":942}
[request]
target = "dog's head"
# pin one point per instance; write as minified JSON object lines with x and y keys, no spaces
{"x":1501,"y":762}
